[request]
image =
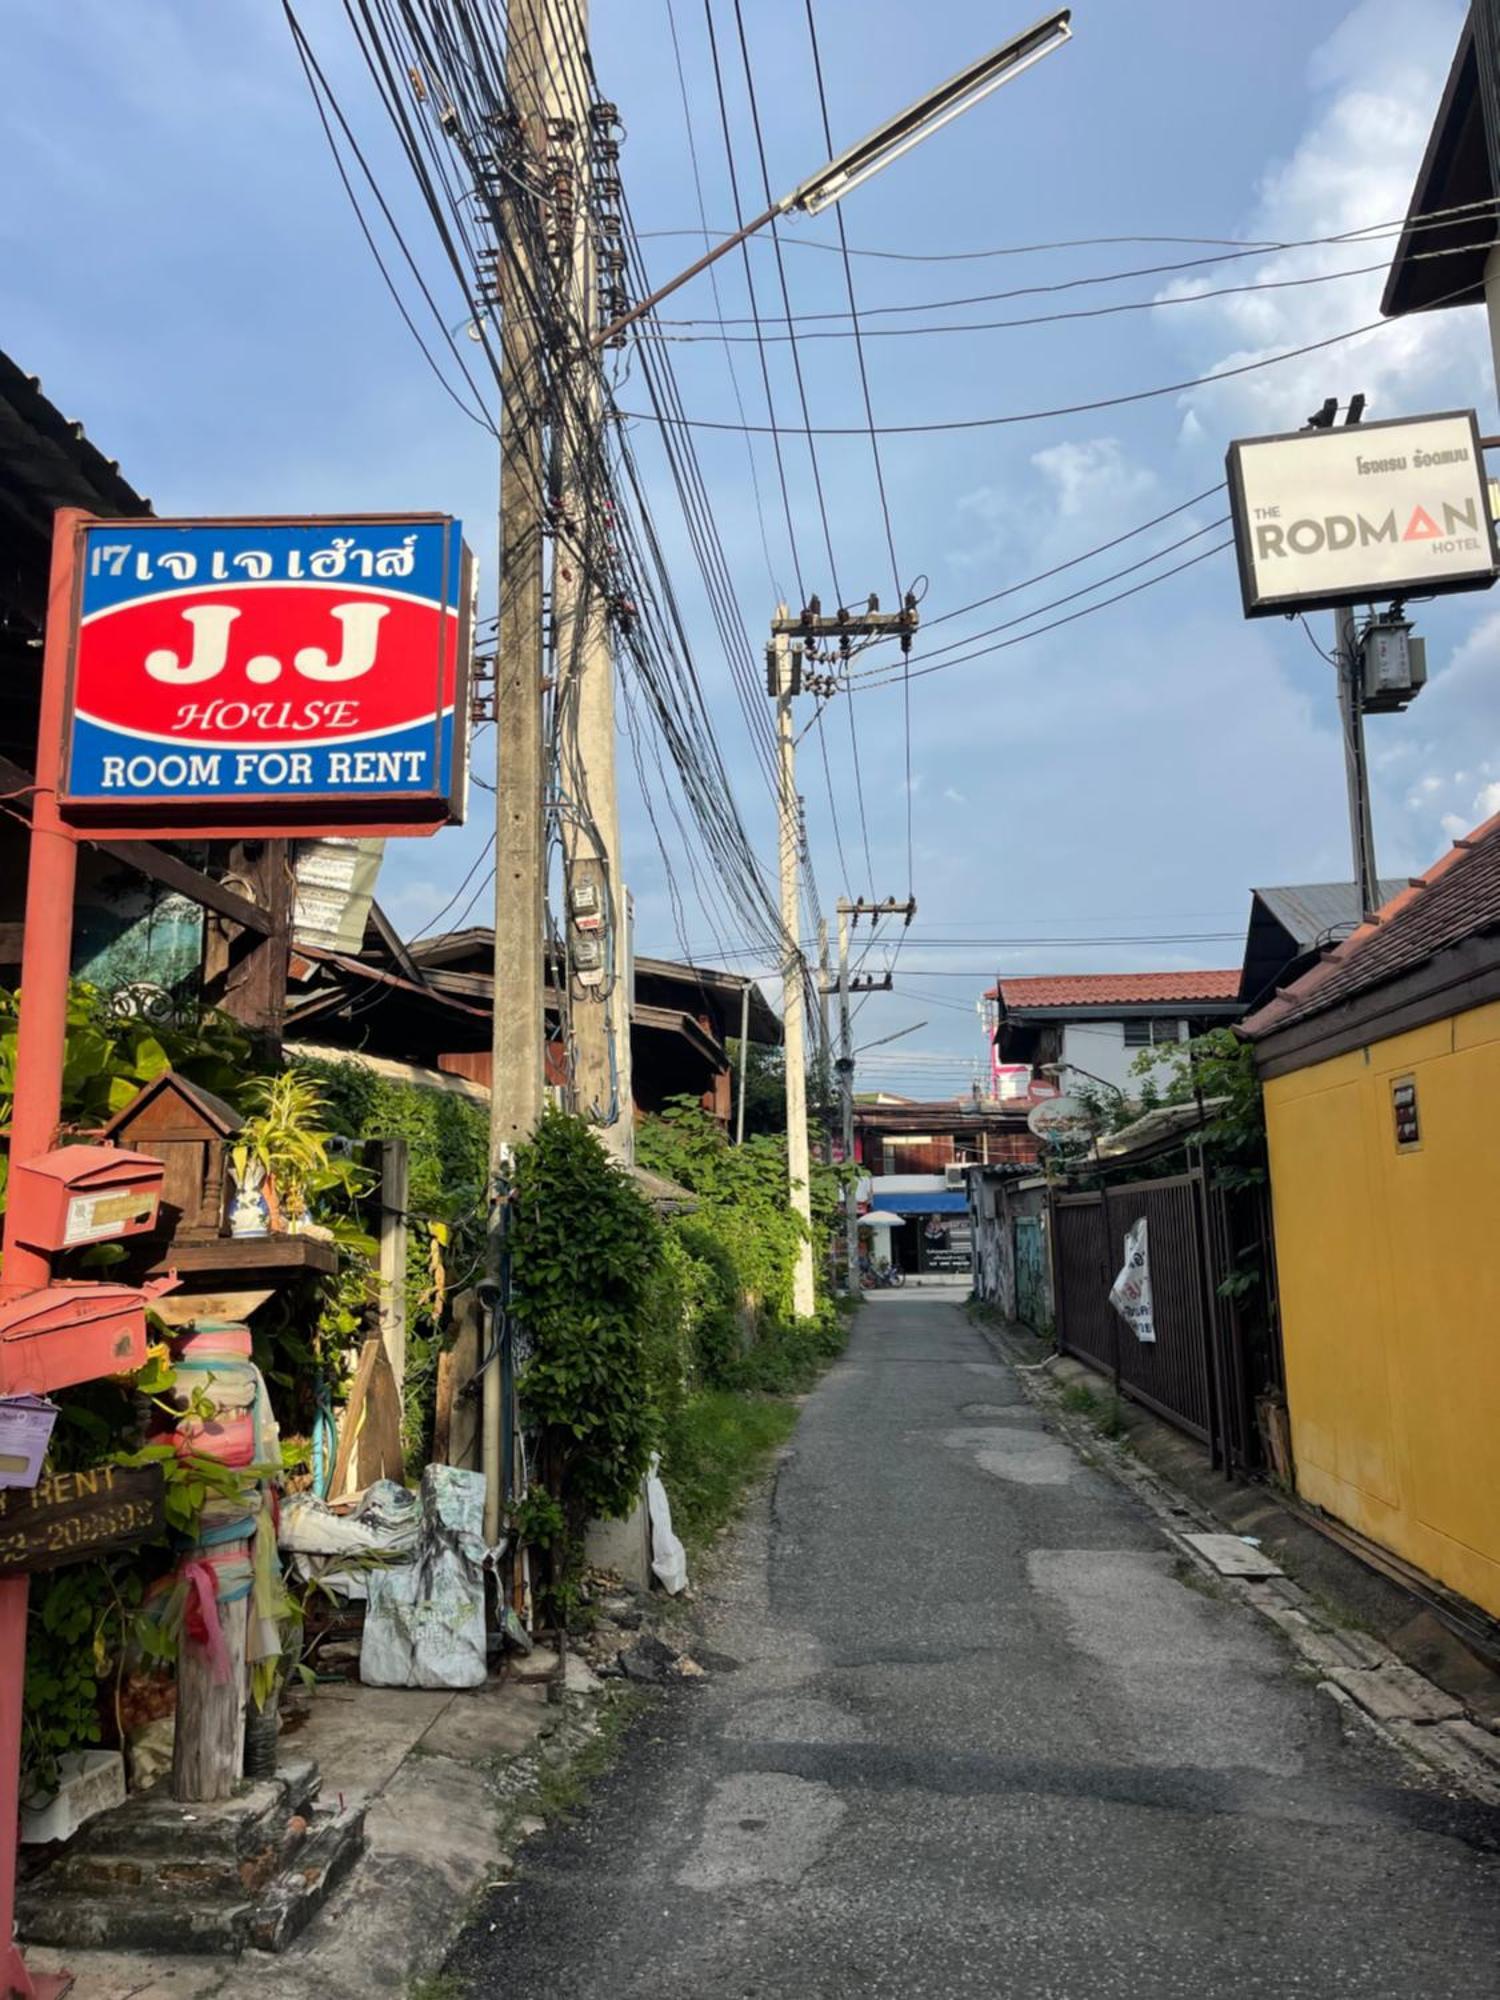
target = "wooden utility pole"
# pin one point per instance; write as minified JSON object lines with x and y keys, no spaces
{"x":786,"y":664}
{"x":597,"y":904}
{"x":518,"y":1044}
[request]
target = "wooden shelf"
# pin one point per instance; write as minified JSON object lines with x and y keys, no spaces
{"x":265,"y":1257}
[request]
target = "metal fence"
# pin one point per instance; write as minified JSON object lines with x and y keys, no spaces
{"x":1176,"y":1375}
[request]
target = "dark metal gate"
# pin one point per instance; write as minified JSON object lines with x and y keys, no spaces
{"x":1180,"y":1374}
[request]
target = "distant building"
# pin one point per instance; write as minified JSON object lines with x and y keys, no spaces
{"x":1093,"y":1025}
{"x":1289,"y":927}
{"x":430,"y":1004}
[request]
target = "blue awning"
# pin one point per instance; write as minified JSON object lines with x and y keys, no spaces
{"x":934,"y":1201}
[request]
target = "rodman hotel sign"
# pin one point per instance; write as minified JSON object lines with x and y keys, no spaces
{"x":302,"y":676}
{"x":1365,"y":512}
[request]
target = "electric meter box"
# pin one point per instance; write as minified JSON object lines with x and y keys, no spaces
{"x":1394,"y":662}
{"x":79,"y":1195}
{"x":62,"y":1334}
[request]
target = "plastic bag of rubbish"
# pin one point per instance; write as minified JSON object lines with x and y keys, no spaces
{"x":383,"y":1524}
{"x":668,"y":1557}
{"x":424,"y":1624}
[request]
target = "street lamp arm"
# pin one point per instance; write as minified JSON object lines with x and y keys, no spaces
{"x":858,"y":163}
{"x":1056,"y":1069}
{"x":929,"y":114}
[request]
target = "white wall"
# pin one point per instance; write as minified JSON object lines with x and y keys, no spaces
{"x":1099,"y":1046}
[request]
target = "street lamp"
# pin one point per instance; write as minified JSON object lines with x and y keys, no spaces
{"x":878,"y":148}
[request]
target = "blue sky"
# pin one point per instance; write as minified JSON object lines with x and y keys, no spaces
{"x":188,"y":280}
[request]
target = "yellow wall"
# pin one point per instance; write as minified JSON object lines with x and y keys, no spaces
{"x":1389,"y":1265}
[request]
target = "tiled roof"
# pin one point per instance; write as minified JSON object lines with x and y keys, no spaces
{"x":1456,"y":899}
{"x":1115,"y":989}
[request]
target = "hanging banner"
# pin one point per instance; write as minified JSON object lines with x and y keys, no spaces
{"x":1130,"y":1295}
{"x":335,"y":886}
{"x":1361,"y":512}
{"x":294,"y":676}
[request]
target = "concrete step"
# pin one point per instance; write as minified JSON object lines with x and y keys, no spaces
{"x":175,"y":1899}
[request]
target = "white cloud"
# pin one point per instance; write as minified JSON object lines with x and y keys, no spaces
{"x":1378,"y":80}
{"x":1052,"y":509}
{"x":958,"y":798}
{"x":1487,"y":804}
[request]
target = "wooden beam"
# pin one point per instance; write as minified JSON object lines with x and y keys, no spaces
{"x":152,"y":861}
{"x":172,"y":873}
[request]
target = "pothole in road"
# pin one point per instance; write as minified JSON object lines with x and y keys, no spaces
{"x":1026,"y":1457}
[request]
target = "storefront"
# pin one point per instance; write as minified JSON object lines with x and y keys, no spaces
{"x":935,"y":1235}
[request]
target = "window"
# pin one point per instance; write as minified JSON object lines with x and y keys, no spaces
{"x":1142,"y":1034}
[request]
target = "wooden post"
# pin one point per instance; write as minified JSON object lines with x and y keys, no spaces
{"x":209,"y":1746}
{"x":394,"y":1182}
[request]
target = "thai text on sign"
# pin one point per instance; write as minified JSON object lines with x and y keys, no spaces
{"x":299,"y":672}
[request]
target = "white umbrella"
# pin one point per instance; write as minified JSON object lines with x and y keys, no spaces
{"x":881,"y":1218}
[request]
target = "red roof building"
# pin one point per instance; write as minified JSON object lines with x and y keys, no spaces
{"x":1089,"y":1028}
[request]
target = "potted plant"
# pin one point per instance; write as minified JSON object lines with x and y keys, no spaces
{"x":279,"y":1156}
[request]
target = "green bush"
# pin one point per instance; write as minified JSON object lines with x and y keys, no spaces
{"x":585,"y":1254}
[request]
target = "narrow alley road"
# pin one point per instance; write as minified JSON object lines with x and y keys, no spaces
{"x":968,"y":1733}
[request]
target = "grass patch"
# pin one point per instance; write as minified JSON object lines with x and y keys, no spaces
{"x":436,"y":1986}
{"x":1103,"y":1412}
{"x":712,"y":1450}
{"x":721,"y":1438}
{"x":561,"y":1789}
{"x":1191,"y":1577}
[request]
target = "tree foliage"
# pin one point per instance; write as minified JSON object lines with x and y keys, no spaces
{"x":1217,"y":1069}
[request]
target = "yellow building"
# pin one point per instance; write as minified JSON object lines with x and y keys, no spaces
{"x":1381,"y":1069}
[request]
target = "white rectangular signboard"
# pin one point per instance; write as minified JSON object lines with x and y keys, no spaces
{"x":1360,"y":513}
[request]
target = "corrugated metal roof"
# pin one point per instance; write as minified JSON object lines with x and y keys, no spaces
{"x":1458,"y":898}
{"x":1319,"y":912}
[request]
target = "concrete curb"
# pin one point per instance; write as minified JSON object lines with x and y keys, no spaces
{"x":1400,"y":1707}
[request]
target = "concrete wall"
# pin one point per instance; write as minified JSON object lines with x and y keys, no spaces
{"x":1389,"y":1266}
{"x":994,"y":1257}
{"x":1099,"y":1046}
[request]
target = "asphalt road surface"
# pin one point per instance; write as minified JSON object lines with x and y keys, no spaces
{"x":968,"y":1732}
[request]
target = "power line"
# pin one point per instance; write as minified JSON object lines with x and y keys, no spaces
{"x":716,"y":334}
{"x":1060,"y":409}
{"x":1371,"y":233}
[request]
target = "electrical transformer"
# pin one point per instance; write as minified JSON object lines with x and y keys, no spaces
{"x":1393,"y":664}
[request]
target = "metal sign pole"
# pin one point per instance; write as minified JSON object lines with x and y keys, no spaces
{"x":41,"y":1039}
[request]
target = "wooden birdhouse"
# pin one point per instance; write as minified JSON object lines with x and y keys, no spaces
{"x":188,"y":1129}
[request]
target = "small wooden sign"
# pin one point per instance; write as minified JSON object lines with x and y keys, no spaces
{"x":75,"y":1515}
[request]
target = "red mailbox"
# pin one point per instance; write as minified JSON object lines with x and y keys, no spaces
{"x":78,"y":1195}
{"x":63,"y":1334}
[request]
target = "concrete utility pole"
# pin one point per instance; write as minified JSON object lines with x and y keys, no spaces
{"x":786,"y":673}
{"x":1352,"y":717}
{"x":597,"y":904}
{"x":846,"y":1107}
{"x":518,"y":1043}
{"x":825,"y":1074}
{"x":872,"y":983}
{"x":1350,"y":670}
